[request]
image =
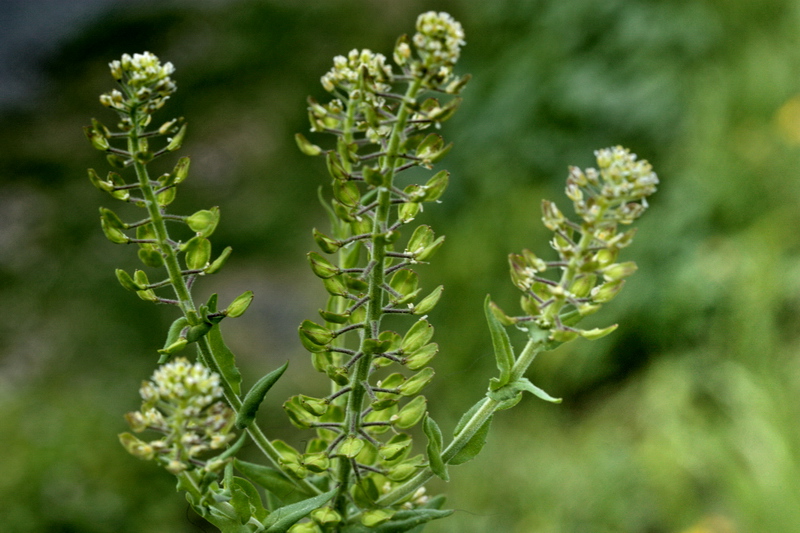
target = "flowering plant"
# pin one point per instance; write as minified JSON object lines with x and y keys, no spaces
{"x":360,"y":470}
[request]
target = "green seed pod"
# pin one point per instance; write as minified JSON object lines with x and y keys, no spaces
{"x":351,"y":446}
{"x":219,"y":261}
{"x":316,"y":462}
{"x":326,"y":516}
{"x":180,"y":172}
{"x":401,"y":471}
{"x":411,"y":413}
{"x":373,"y":176}
{"x":198,"y":252}
{"x":436,"y":186}
{"x":325,"y":243}
{"x":126,"y":281}
{"x":335,"y":167}
{"x":306,"y":146}
{"x":408,"y":211}
{"x":297,"y":414}
{"x":239,"y":305}
{"x":582,"y":286}
{"x":619,"y":271}
{"x":113,"y":234}
{"x":420,"y":239}
{"x":416,"y":382}
{"x":607,"y":291}
{"x":140,"y":277}
{"x":97,"y":138}
{"x":421,"y":357}
{"x":429,"y":302}
{"x":175,"y":142}
{"x":204,"y":222}
{"x":417,"y":336}
{"x":396,"y":447}
{"x":315,"y":333}
{"x":376,"y":517}
{"x":322,"y":267}
{"x":164,"y":198}
{"x":432,"y":143}
{"x":335,"y":286}
{"x":338,"y":375}
{"x":404,"y":281}
{"x":150,"y":256}
{"x":315,"y":406}
{"x":346,"y":192}
{"x":98,"y":183}
{"x":428,"y":251}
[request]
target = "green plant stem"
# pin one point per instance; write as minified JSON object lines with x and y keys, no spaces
{"x":374,"y":311}
{"x":534,"y":346}
{"x":187,"y":306}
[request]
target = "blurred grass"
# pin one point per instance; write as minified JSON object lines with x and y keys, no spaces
{"x":684,"y":420}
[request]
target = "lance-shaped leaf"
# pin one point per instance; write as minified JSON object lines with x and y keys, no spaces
{"x":246,"y":500}
{"x":272,"y":480}
{"x":434,"y":448}
{"x":523,"y":384}
{"x":254,"y":397}
{"x":503,"y":352}
{"x":402,"y":521}
{"x":281,"y":519}
{"x":225,"y":359}
{"x":475,"y":443}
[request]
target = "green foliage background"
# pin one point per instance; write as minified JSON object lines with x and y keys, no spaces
{"x":684,"y":420}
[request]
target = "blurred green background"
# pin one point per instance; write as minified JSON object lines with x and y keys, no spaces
{"x":684,"y":420}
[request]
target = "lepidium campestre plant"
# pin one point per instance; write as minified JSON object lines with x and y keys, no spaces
{"x":361,"y":469}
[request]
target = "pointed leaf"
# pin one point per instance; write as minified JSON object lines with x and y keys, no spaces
{"x":502,"y":346}
{"x":526,"y":385}
{"x":434,"y":449}
{"x":252,"y":401}
{"x":225,"y":359}
{"x":280,"y":520}
{"x":272,"y":480}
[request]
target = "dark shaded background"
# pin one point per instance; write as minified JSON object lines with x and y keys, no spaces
{"x":684,"y":420}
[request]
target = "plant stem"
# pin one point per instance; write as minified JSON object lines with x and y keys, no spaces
{"x":377,"y":277}
{"x":186,"y":303}
{"x":489,"y":406}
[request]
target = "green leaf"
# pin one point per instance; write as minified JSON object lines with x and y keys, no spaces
{"x":225,"y":359}
{"x":256,"y":506}
{"x":477,"y":441}
{"x":280,"y":520}
{"x":254,"y":397}
{"x":526,"y":385}
{"x":434,"y":449}
{"x":502,"y":346}
{"x":272,"y":480}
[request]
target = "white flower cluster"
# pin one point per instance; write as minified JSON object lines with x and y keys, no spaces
{"x":182,"y":401}
{"x":346,"y":71}
{"x":617,"y":191}
{"x":145,"y":82}
{"x":438,"y":40}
